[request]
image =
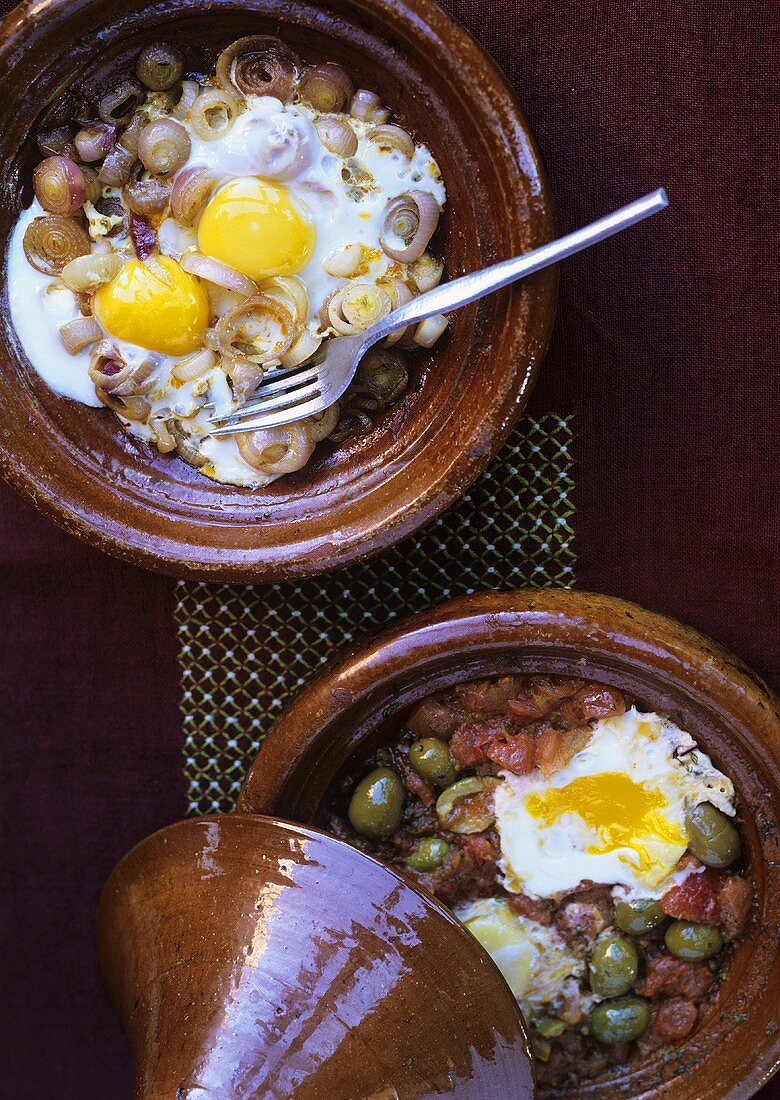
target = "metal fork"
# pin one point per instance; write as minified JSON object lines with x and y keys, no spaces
{"x":311,"y":387}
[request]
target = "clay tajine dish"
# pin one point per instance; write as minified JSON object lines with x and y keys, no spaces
{"x":346,"y":712}
{"x":247,"y":957}
{"x":76,"y":465}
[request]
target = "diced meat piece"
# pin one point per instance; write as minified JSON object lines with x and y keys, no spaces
{"x":483,"y":846}
{"x":555,"y":748}
{"x":470,"y":740}
{"x":583,"y":918}
{"x":674,"y":1019}
{"x":619,"y":1052}
{"x":433,"y":718}
{"x":592,"y":702}
{"x":515,"y":752}
{"x":488,"y":697}
{"x":493,"y":739}
{"x":418,"y":786}
{"x":736,"y":898}
{"x":687,"y":862}
{"x":468,"y":873}
{"x":675,"y":978}
{"x":540,"y":697}
{"x":531,"y":908}
{"x":695,"y":899}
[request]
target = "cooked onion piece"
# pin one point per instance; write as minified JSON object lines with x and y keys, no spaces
{"x":343,"y":262}
{"x":120,"y":103}
{"x":191,"y":188}
{"x":400,"y":294}
{"x":292,"y":292}
{"x":245,"y":377}
{"x":276,"y":451}
{"x":215,"y":272}
{"x":321,"y":425}
{"x":57,"y":142}
{"x":213,"y":113}
{"x":92,"y":185}
{"x":147,"y":197}
{"x":159,"y":66}
{"x":367,"y":106}
{"x":131,"y":408}
{"x":282,"y":148}
{"x":86,"y":273}
{"x":428,"y":331}
{"x":189,"y":92}
{"x":357,"y":307}
{"x":337,"y":136}
{"x":159,"y":422}
{"x":301,"y":349}
{"x":393,"y":138}
{"x":186,"y":446}
{"x":194,"y":366}
{"x":93,"y":142}
{"x":59,"y":186}
{"x":383,"y":374}
{"x":117,"y":166}
{"x":53,"y":241}
{"x":426,"y":272}
{"x":258,"y":65}
{"x":260,"y":330}
{"x":110,"y":373}
{"x":79,"y":334}
{"x":163,"y":146}
{"x":410,"y":220}
{"x":326,"y":88}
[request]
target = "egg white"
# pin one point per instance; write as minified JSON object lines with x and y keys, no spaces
{"x":38,"y":306}
{"x":539,"y":966}
{"x":542,"y":858}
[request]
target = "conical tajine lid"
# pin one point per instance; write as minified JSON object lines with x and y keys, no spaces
{"x":249,"y":958}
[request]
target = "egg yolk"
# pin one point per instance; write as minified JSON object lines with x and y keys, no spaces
{"x":155,"y":305}
{"x":256,"y":228}
{"x":623,"y":814}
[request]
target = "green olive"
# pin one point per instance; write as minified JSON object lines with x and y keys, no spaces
{"x":613,"y":967}
{"x":638,"y":917}
{"x":619,"y":1021}
{"x":693,"y":942}
{"x":377,"y":805}
{"x":711,"y":836}
{"x":430,"y":853}
{"x":476,"y":813}
{"x":550,"y":1027}
{"x":431,"y":758}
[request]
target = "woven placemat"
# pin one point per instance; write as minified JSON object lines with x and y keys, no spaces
{"x":244,"y":650}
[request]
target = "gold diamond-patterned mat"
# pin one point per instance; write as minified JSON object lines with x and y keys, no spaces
{"x":244,"y":650}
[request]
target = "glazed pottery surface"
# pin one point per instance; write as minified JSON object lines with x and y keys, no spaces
{"x":249,"y":958}
{"x":343,"y":714}
{"x":79,"y":467}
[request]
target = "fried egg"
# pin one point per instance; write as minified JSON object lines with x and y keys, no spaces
{"x":539,"y":966}
{"x":282,"y":204}
{"x":614,"y":814}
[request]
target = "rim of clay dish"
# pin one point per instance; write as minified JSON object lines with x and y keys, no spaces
{"x":664,"y":664}
{"x":170,"y":522}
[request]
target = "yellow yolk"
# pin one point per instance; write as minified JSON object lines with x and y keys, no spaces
{"x":623,"y":814}
{"x":256,"y":228}
{"x":155,"y":305}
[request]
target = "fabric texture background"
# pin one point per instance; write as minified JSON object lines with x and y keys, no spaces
{"x":665,"y":352}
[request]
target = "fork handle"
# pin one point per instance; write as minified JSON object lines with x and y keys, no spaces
{"x":468,"y":288}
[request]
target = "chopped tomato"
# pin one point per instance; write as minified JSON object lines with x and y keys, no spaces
{"x":695,"y":899}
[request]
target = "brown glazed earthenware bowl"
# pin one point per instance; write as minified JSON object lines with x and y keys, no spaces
{"x":346,"y":712}
{"x":252,"y":958}
{"x":77,"y":465}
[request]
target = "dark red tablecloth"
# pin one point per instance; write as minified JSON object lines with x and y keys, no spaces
{"x":665,"y":349}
